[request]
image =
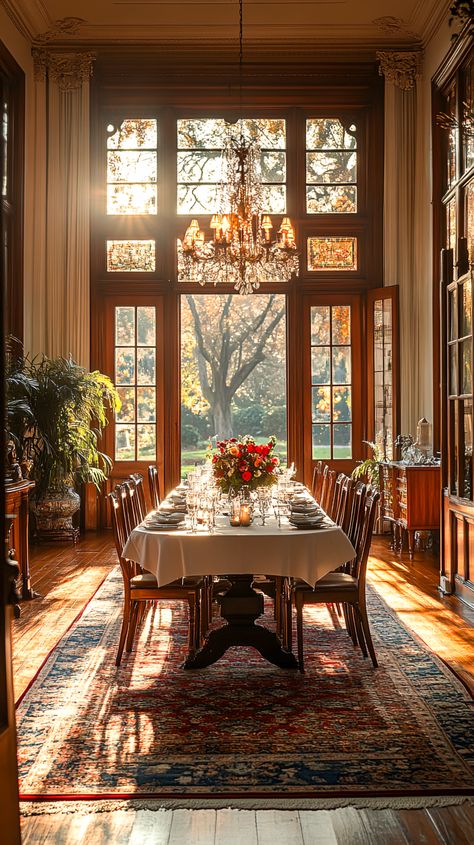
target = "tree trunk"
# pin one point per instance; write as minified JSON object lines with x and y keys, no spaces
{"x":222,"y":415}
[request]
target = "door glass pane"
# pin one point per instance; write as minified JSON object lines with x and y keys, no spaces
{"x":321,"y":365}
{"x":466,"y":366}
{"x":321,"y":442}
{"x":453,"y":313}
{"x":135,"y":377}
{"x":331,"y":380}
{"x":453,"y":370}
{"x":466,"y":328}
{"x":320,"y":325}
{"x":468,"y":449}
{"x":233,"y":371}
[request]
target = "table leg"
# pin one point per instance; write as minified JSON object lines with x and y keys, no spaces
{"x":240,"y":607}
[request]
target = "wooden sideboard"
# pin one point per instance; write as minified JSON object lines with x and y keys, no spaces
{"x":410,"y":499}
{"x":16,"y":504}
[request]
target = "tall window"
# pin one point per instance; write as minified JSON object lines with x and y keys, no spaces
{"x":226,"y":364}
{"x":233,"y":370}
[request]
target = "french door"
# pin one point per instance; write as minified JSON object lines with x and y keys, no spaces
{"x":334,"y":391}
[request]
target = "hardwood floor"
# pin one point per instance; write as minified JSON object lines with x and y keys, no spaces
{"x":67,"y":576}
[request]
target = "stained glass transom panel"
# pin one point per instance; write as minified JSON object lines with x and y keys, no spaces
{"x":130,"y":256}
{"x":332,"y":253}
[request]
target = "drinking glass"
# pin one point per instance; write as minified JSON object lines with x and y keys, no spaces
{"x":264,"y":499}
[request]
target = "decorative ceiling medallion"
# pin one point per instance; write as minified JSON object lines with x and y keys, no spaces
{"x":63,"y":26}
{"x":69,"y":70}
{"x":402,"y":69}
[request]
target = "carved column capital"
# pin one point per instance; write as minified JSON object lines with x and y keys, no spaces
{"x":68,"y":70}
{"x":402,"y":69}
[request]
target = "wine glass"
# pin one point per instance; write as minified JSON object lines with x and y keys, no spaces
{"x":264,"y":497}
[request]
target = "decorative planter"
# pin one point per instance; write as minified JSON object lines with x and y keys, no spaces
{"x":53,"y":515}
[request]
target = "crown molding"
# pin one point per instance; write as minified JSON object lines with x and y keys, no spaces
{"x":29,"y":17}
{"x":427,"y":17}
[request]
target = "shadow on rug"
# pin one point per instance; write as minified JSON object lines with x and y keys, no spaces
{"x":241,"y":728}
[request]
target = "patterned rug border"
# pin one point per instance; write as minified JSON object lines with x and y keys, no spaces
{"x":443,"y":663}
{"x":86,"y":807}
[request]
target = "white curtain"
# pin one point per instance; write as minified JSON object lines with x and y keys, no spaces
{"x":406,"y":240}
{"x":57,"y":284}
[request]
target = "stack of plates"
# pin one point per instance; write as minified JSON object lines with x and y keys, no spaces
{"x":317,"y":519}
{"x":165,"y":521}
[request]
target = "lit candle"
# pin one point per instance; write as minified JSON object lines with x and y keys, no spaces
{"x":245,"y":515}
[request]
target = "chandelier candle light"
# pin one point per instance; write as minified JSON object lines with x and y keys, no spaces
{"x":241,"y":251}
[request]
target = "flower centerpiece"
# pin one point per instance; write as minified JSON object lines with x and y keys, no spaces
{"x":238,"y":462}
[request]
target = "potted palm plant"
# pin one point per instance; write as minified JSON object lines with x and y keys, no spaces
{"x":58,"y":411}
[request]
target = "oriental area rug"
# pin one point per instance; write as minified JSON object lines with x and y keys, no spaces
{"x":242,"y":729}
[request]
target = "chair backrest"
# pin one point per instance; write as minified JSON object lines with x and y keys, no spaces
{"x":368,"y":519}
{"x":334,"y":505}
{"x":344,"y":505}
{"x":328,"y":490}
{"x":129,"y":568}
{"x":317,"y":480}
{"x":356,"y":519}
{"x":130,"y":504}
{"x":154,"y":487}
{"x":139,"y":487}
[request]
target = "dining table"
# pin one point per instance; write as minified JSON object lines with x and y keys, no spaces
{"x":237,"y":553}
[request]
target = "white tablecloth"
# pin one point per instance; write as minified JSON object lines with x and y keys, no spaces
{"x":267,"y":549}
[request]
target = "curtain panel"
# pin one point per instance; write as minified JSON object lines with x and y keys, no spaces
{"x":57,"y":288}
{"x":406,"y":230}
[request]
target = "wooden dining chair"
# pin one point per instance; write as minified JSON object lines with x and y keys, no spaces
{"x":347,"y":588}
{"x":137,"y":480}
{"x":141,"y":588}
{"x":154,"y":487}
{"x":342,"y":513}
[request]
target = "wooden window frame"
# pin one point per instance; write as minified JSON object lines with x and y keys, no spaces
{"x":119,"y":92}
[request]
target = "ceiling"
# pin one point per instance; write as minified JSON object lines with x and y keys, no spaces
{"x":294,"y":24}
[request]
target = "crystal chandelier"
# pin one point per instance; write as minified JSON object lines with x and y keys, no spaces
{"x":241,"y":250}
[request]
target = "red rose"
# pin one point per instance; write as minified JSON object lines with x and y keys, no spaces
{"x":246,"y":476}
{"x":251,"y":448}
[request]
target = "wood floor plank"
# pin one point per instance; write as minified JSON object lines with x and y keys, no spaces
{"x":151,"y":827}
{"x":382,"y":826}
{"x":317,"y":827}
{"x":418,"y":827}
{"x":349,"y":826}
{"x":194,"y":826}
{"x":286,"y":822}
{"x":238,"y":827}
{"x":451,"y":825}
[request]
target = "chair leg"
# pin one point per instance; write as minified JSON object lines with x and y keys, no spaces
{"x":360,"y":634}
{"x":277,"y":604}
{"x":349,"y":623}
{"x":368,"y":638}
{"x":132,"y":625}
{"x":193,"y":635}
{"x":299,"y":630}
{"x":123,"y":630}
{"x":288,"y":621}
